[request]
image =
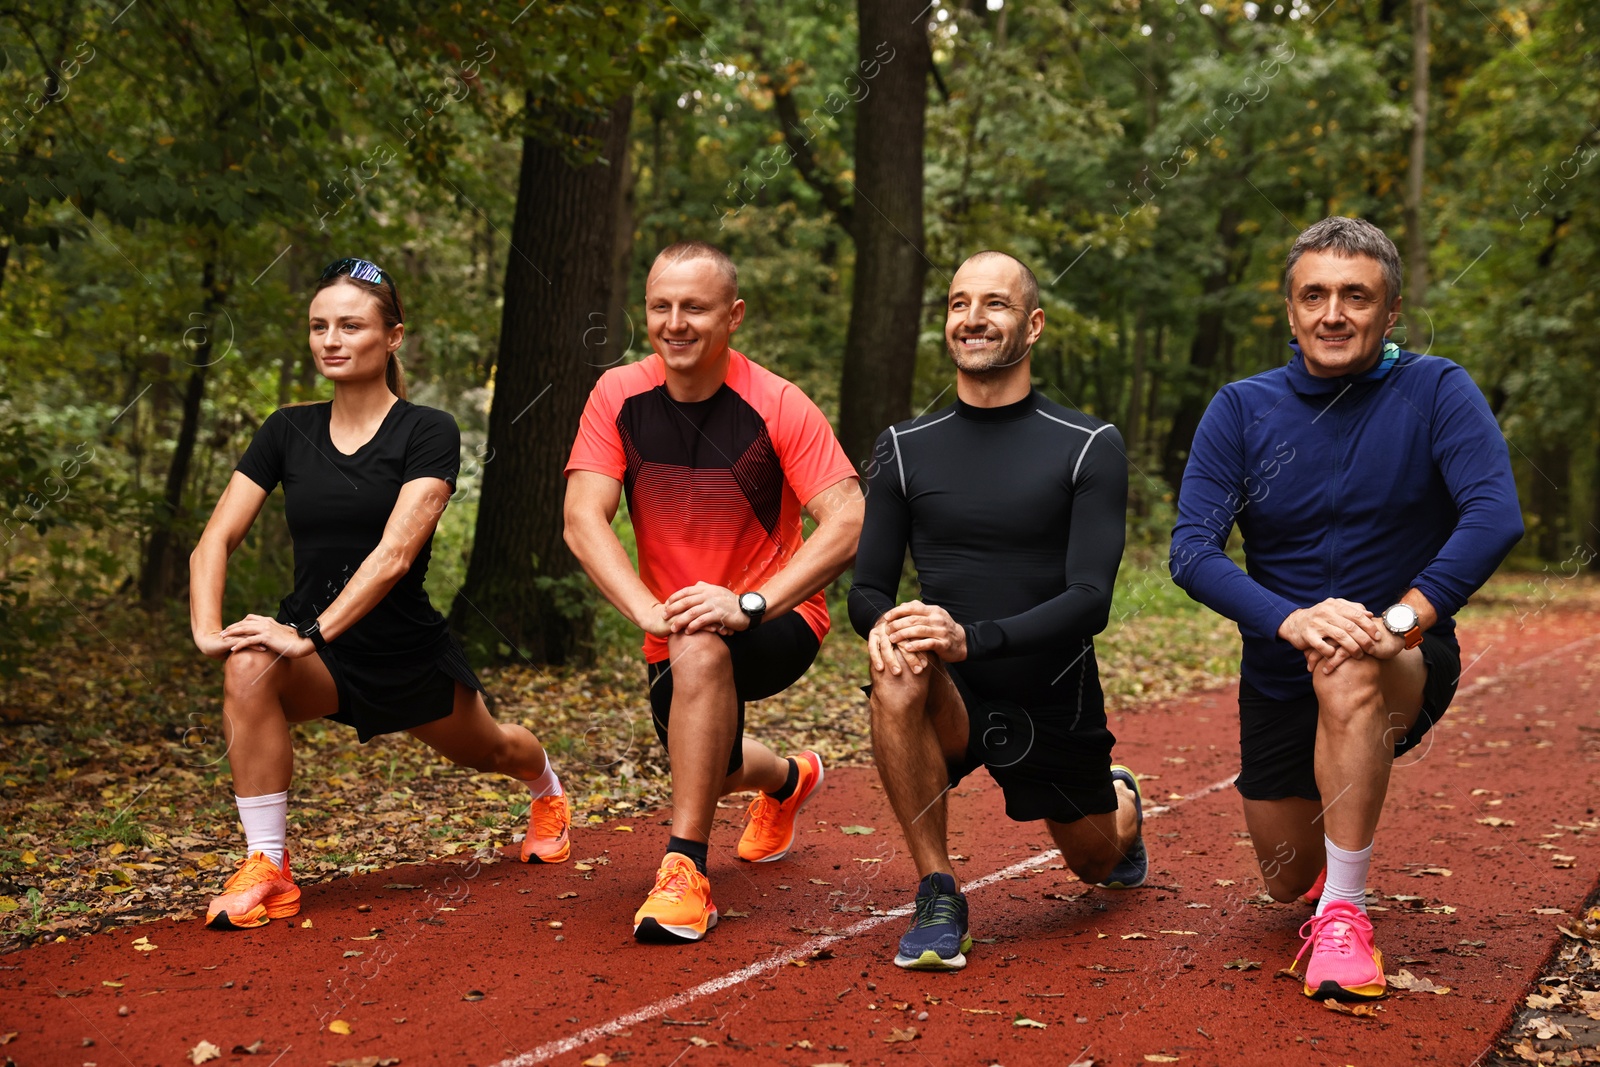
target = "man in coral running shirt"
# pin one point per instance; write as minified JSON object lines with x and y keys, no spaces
{"x":718,"y":456}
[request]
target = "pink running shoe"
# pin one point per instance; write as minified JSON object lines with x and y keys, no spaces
{"x":1344,"y":965}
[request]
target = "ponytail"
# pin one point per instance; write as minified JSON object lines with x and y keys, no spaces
{"x":395,"y":375}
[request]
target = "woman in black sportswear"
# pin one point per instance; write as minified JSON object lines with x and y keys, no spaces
{"x":365,"y":478}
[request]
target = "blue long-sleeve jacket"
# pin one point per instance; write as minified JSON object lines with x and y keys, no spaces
{"x":1358,"y":487}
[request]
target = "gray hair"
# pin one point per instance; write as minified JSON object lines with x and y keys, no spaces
{"x":1348,"y":237}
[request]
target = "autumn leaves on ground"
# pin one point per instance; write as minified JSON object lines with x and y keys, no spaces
{"x":115,"y":806}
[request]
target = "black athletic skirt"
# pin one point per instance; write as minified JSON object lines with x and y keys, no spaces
{"x":390,"y":692}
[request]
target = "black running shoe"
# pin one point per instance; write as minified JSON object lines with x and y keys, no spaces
{"x":938,"y":938}
{"x":1134,"y":867}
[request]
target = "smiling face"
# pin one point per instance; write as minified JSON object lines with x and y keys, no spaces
{"x":691,"y":310}
{"x":988,"y":327}
{"x":348,"y":337}
{"x":1340,"y":312}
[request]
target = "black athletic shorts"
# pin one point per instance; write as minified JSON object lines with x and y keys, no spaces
{"x":1278,"y":738}
{"x":1045,"y":743}
{"x":766,"y":661}
{"x":391,"y":692}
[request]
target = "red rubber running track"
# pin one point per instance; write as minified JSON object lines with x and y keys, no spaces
{"x":470,"y":968}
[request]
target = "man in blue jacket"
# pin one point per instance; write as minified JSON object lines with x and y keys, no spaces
{"x":1374,"y":492}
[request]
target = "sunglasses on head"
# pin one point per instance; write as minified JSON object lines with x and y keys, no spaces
{"x":364,"y":270}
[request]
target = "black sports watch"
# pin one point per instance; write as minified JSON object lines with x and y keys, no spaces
{"x":313,"y":631}
{"x":754,"y":605}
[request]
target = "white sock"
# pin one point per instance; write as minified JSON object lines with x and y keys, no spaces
{"x":1347,"y":876}
{"x":547,"y":784}
{"x":266,"y":824}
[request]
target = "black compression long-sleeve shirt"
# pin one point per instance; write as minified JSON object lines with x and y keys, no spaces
{"x":1015,"y":517}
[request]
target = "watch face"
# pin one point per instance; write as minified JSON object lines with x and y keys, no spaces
{"x":1400,"y":619}
{"x":752,"y":603}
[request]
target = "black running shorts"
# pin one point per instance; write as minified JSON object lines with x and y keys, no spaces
{"x":1278,"y":738}
{"x":1046,"y":745}
{"x":766,"y":661}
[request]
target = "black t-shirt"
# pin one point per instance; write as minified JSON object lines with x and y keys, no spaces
{"x":337,"y":507}
{"x":1015,"y":517}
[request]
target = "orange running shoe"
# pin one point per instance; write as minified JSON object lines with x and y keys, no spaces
{"x":257,"y":892}
{"x":1314,"y":894}
{"x":769,"y":833}
{"x":679,"y":908}
{"x":548,"y":822}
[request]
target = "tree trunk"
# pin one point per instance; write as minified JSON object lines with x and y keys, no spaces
{"x":158,"y":573}
{"x":1416,"y":241}
{"x":524,"y":592}
{"x":1548,"y":500}
{"x":886,"y":295}
{"x":1194,"y":386}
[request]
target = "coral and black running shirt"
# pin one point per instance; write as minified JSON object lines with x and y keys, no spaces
{"x":714,"y":487}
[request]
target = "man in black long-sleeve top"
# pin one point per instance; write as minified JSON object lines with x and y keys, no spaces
{"x":1013,"y":509}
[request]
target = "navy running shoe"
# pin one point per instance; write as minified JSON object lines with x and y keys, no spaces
{"x":938,"y":938}
{"x":1134,"y":866}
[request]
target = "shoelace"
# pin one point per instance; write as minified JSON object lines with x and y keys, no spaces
{"x":1330,"y":932}
{"x":936,"y":910}
{"x":671,"y":882}
{"x":251,"y":872}
{"x":762,"y":810}
{"x":548,"y":817}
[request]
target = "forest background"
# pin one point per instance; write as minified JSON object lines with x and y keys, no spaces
{"x":175,"y":173}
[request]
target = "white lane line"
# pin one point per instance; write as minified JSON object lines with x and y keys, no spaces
{"x":550,"y":1050}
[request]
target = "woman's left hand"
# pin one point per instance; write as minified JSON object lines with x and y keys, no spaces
{"x":258,"y":631}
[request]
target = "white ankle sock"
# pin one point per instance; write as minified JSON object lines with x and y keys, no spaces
{"x":1347,"y":876}
{"x":266,"y":824}
{"x":547,"y":784}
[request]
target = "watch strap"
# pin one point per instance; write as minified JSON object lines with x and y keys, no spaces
{"x":313,"y":632}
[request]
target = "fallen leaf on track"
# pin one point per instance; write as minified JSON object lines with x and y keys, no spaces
{"x":857,"y":830}
{"x":368,"y":1061}
{"x":204,"y":1052}
{"x":897,"y":1035}
{"x":1135,"y":937}
{"x":1408,"y":981}
{"x":1364,"y":1011}
{"x":1242,"y":965}
{"x":338,"y":1026}
{"x":1183,"y":933}
{"x":1034,"y":1024}
{"x":980,"y":1011}
{"x":143,"y":945}
{"x":599,"y":1059}
{"x":1495,"y":820}
{"x":473,"y":994}
{"x":1159,"y":1057}
{"x":248,"y":1050}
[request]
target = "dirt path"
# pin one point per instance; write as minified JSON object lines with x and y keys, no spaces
{"x":1486,"y":830}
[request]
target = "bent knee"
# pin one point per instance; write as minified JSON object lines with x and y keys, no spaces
{"x":1352,"y":689}
{"x":249,"y":672}
{"x":698,"y":654}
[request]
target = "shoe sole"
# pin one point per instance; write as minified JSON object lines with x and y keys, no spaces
{"x":1138,"y":807}
{"x":1331,"y":990}
{"x":562,"y":857}
{"x":816,"y":785}
{"x":932,"y":961}
{"x":651,"y":932}
{"x":258,"y":916}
